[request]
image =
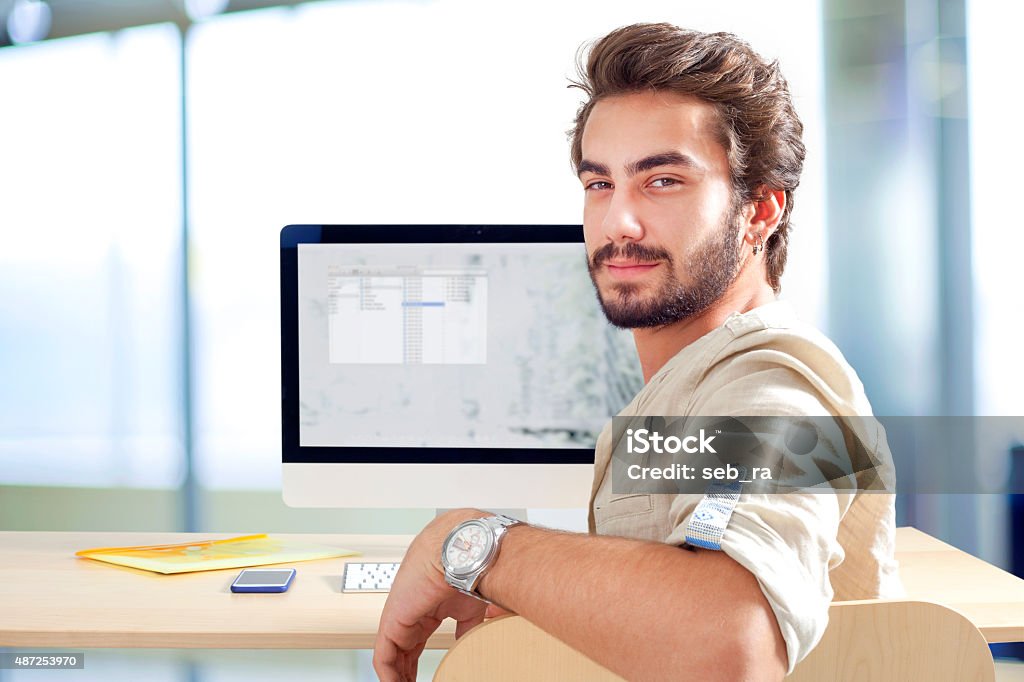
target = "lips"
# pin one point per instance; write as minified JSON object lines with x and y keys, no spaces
{"x":628,"y":269}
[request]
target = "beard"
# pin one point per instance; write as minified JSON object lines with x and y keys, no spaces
{"x":712,"y":267}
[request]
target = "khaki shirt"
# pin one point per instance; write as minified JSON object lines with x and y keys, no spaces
{"x":805,"y":549}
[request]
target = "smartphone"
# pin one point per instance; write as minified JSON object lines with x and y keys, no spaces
{"x":263,"y":580}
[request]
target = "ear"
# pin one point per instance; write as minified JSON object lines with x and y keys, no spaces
{"x":768,"y":206}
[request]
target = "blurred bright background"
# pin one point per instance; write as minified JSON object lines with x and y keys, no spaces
{"x":151,"y":151}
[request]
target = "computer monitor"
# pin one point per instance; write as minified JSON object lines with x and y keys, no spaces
{"x":444,"y":366}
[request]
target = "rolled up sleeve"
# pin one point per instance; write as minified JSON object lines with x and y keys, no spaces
{"x":788,"y":541}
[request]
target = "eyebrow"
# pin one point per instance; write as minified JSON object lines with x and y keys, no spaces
{"x":645,"y":164}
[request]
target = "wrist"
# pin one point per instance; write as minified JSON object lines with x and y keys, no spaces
{"x":489,"y":585}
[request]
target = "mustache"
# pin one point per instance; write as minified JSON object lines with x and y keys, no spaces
{"x":629,"y":251}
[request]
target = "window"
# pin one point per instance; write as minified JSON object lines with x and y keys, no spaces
{"x":91,"y":224}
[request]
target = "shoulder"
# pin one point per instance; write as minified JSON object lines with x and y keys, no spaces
{"x":773,"y":358}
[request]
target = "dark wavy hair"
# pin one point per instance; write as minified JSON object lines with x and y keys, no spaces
{"x":757,"y":124}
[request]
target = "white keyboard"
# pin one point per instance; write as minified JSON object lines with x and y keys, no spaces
{"x":368,"y":576}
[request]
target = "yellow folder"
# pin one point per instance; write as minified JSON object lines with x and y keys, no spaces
{"x":210,"y":555}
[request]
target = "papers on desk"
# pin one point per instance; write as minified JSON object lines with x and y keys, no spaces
{"x":211,"y":555}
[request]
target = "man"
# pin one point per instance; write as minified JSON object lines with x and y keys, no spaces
{"x":688,"y":150}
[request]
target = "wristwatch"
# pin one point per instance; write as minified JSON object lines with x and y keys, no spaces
{"x":471,"y":549}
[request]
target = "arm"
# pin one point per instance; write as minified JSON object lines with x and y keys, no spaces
{"x":644,"y":610}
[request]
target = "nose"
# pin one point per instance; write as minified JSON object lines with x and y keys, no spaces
{"x":622,"y":220}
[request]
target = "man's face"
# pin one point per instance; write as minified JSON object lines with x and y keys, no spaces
{"x":663,"y":235}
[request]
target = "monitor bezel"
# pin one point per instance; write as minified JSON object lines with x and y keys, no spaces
{"x":294,"y":235}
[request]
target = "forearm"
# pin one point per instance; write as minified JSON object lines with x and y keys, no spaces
{"x":644,"y":610}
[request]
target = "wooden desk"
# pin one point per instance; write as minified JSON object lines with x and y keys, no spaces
{"x":50,"y":598}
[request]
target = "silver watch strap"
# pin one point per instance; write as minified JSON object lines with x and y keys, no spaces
{"x":472,"y":593}
{"x":506,"y":521}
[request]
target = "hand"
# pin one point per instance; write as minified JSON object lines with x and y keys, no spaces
{"x":420,"y":600}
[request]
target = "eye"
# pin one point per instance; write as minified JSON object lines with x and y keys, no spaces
{"x":597,"y":184}
{"x":665,"y":182}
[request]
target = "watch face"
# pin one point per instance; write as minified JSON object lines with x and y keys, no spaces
{"x":468,"y":548}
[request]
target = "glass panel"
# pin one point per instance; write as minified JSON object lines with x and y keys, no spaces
{"x":90,"y":224}
{"x":995,"y":151}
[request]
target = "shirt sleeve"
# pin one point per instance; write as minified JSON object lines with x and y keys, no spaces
{"x":788,"y":541}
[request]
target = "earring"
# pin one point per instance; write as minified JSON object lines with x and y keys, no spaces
{"x":758,"y":245}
